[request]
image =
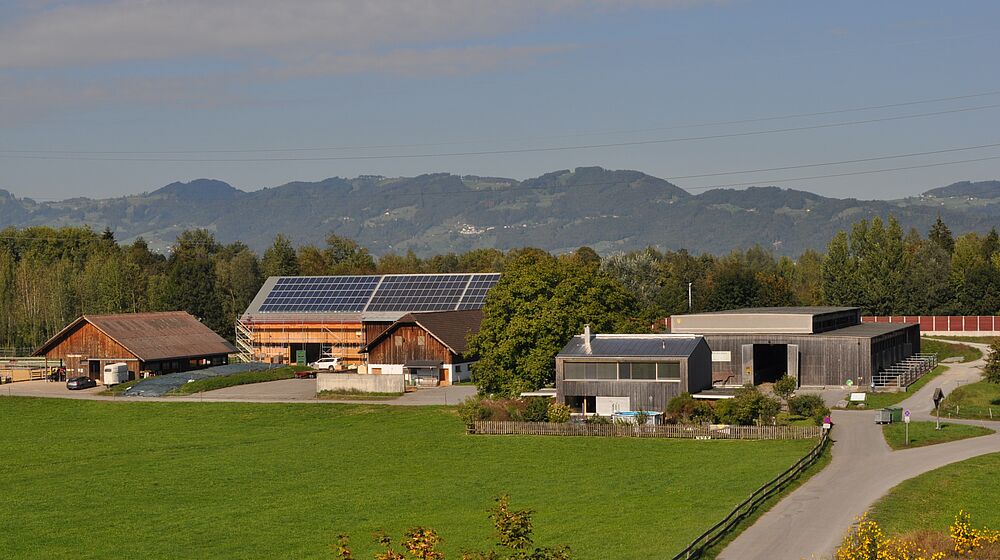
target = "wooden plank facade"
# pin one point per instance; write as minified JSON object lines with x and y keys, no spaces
{"x":822,"y":360}
{"x":410,"y":343}
{"x":279,"y":342}
{"x":86,"y":350}
{"x":650,"y":395}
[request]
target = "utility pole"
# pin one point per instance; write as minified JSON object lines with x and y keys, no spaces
{"x":690,"y":300}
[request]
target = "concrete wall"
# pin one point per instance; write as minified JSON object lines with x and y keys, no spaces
{"x":385,"y":383}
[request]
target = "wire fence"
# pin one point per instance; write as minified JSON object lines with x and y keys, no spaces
{"x":680,"y":431}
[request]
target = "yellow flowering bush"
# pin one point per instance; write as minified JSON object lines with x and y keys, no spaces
{"x":967,"y":538}
{"x":868,"y":542}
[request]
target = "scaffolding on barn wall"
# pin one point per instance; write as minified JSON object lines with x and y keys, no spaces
{"x":345,"y":343}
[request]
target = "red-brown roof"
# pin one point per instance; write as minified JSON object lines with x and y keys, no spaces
{"x":153,"y":336}
{"x":451,"y":328}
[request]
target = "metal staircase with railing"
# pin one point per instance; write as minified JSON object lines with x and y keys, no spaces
{"x":900,"y":374}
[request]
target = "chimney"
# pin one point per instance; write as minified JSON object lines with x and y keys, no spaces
{"x":586,"y":338}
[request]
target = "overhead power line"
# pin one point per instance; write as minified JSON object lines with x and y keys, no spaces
{"x":513,"y":150}
{"x":548,"y":137}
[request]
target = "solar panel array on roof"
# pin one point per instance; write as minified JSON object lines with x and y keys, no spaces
{"x":476,"y":294}
{"x":390,"y":293}
{"x":327,"y":294}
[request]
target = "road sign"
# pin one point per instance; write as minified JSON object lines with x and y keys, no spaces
{"x":906,"y":416}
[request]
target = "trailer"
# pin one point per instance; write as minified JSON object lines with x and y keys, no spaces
{"x":115,"y":373}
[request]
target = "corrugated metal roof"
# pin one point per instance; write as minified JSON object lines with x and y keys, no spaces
{"x":867,"y":330}
{"x":615,"y":345}
{"x":154,"y":336}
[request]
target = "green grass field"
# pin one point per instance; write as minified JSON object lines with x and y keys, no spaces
{"x":235,"y":480}
{"x":222,"y":381}
{"x":931,"y":500}
{"x":975,"y":400}
{"x":923,"y":433}
{"x":977,"y":339}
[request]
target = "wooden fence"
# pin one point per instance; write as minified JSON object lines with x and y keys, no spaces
{"x":504,"y":428}
{"x":719,"y":531}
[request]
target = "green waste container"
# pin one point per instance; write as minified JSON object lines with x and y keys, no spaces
{"x":300,"y":357}
{"x":895,"y":413}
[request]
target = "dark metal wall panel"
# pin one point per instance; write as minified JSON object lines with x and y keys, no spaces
{"x":699,"y":369}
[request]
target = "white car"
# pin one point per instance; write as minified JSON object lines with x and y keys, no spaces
{"x":329,"y":364}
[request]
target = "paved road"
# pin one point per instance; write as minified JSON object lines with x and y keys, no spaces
{"x":811,"y":521}
{"x":282,"y":391}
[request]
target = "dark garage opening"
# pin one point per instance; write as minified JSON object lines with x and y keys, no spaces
{"x":312,"y":351}
{"x":770,"y":362}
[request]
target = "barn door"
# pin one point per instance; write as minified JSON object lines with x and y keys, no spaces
{"x":793,"y":363}
{"x":747,"y":351}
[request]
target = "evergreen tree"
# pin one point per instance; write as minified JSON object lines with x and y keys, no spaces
{"x":940,"y":235}
{"x":838,"y":272}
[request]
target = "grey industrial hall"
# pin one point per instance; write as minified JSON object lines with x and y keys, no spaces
{"x":817,"y":345}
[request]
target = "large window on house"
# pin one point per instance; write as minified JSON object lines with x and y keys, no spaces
{"x":669,"y":371}
{"x":636,"y":371}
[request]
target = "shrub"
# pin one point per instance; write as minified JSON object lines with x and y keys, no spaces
{"x":785,"y":386}
{"x":537,"y":410}
{"x":686,"y":409}
{"x":597,"y":419}
{"x":748,"y":407}
{"x":473,"y":409}
{"x":810,"y":406}
{"x":559,"y":413}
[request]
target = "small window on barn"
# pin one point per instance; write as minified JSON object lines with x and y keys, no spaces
{"x":643,"y":370}
{"x":397,"y":340}
{"x":420,"y":340}
{"x":670,"y":371}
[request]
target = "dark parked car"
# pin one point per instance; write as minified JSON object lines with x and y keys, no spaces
{"x":81,"y":383}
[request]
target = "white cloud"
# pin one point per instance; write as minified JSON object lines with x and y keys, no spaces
{"x":108,"y":31}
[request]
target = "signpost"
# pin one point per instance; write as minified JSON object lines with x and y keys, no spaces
{"x":938,"y":397}
{"x":906,"y":421}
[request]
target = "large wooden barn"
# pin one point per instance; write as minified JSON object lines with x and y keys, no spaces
{"x":302,"y":318}
{"x":157,"y":342}
{"x":428,"y":348}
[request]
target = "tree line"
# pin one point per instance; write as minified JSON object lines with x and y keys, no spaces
{"x":50,"y":276}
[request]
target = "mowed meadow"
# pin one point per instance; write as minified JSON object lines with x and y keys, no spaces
{"x":92,"y":479}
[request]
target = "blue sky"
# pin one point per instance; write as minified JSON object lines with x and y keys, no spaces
{"x":219,"y":80}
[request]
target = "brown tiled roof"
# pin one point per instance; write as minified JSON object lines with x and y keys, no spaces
{"x":452,"y":328}
{"x":153,"y":336}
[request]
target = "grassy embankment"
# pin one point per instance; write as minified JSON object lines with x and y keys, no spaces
{"x":240,"y":480}
{"x":924,"y":506}
{"x":222,"y":381}
{"x":976,"y":400}
{"x":923,"y":433}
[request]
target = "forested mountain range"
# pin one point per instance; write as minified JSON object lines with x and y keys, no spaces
{"x":559,"y":211}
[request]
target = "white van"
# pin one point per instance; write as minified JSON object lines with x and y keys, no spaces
{"x":115,"y":374}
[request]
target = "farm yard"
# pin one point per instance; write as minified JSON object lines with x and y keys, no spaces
{"x":233,"y":480}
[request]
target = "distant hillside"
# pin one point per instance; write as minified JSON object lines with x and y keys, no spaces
{"x":559,"y":211}
{"x":981,"y":189}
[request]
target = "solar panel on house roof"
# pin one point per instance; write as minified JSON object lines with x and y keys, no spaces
{"x":390,"y":293}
